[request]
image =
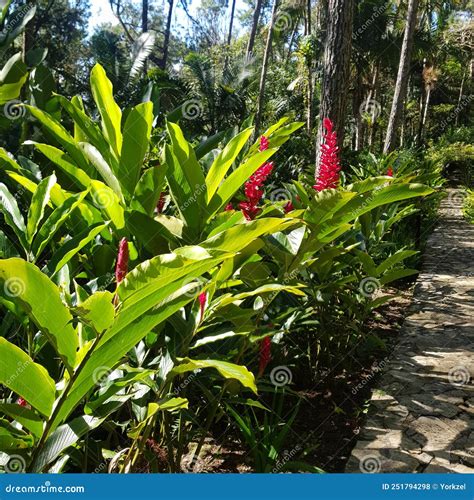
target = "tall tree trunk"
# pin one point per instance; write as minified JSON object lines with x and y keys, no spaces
{"x":402,"y":77}
{"x":231,"y":23}
{"x":336,"y":71}
{"x":373,"y":97}
{"x":166,"y":41}
{"x":309,"y":65}
{"x":253,"y":31}
{"x":145,"y":28}
{"x":263,"y":75}
{"x":461,"y":92}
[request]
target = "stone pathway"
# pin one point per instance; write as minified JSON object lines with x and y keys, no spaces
{"x":422,"y":415}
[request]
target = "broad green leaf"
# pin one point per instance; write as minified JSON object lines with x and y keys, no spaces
{"x":97,"y":311}
{"x":38,"y":204}
{"x":397,"y":257}
{"x":102,"y":167}
{"x":64,"y":162}
{"x":62,"y":136}
{"x":12,"y":214}
{"x":136,"y":139}
{"x":24,"y":416}
{"x":131,"y":325}
{"x":105,"y":199}
{"x":64,"y":436}
{"x":149,"y":188}
{"x":26,"y":378}
{"x":55,"y":221}
{"x":236,"y":179}
{"x":72,"y":247}
{"x":227,"y":370}
{"x":224,"y":161}
{"x":396,"y":274}
{"x":239,"y":236}
{"x":109,"y":110}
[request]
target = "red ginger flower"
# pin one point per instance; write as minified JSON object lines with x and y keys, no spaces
{"x":229,"y":207}
{"x":202,"y":303}
{"x":20,"y":401}
{"x":161,"y":203}
{"x":121,"y":267}
{"x":329,"y":164}
{"x":265,"y":354}
{"x":390,"y":171}
{"x":252,"y":188}
{"x":264,"y":143}
{"x":288,"y":207}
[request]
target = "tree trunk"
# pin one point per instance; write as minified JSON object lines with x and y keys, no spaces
{"x":145,"y":28}
{"x":231,"y":23}
{"x":402,"y":77}
{"x":373,"y":96}
{"x":461,"y":92}
{"x":263,"y":75}
{"x":309,"y":93}
{"x":166,"y":42}
{"x":336,"y":69}
{"x":253,"y":31}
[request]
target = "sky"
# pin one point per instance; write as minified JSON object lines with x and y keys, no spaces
{"x":102,"y":13}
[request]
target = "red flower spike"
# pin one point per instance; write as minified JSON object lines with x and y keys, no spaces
{"x":265,"y":355}
{"x":121,"y":267}
{"x":20,"y":401}
{"x":390,"y":171}
{"x":202,"y":303}
{"x":329,"y":164}
{"x":161,"y":203}
{"x":264,"y":143}
{"x":288,"y":207}
{"x":229,"y":207}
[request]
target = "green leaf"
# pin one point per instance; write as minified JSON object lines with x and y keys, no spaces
{"x":394,"y":259}
{"x":102,"y":167}
{"x":224,"y":161}
{"x":55,"y":221}
{"x":105,"y":199}
{"x":24,"y":416}
{"x":62,"y":136}
{"x":109,"y":110}
{"x":26,"y":378}
{"x":12,"y":214}
{"x":64,"y":436}
{"x":236,"y":179}
{"x":396,"y":275}
{"x":227,"y":370}
{"x":136,"y":139}
{"x":149,"y":188}
{"x":26,"y":285}
{"x":72,"y":247}
{"x":64,"y":162}
{"x":97,"y":311}
{"x":38,"y":204}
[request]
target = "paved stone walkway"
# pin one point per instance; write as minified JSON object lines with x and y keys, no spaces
{"x":422,"y":415}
